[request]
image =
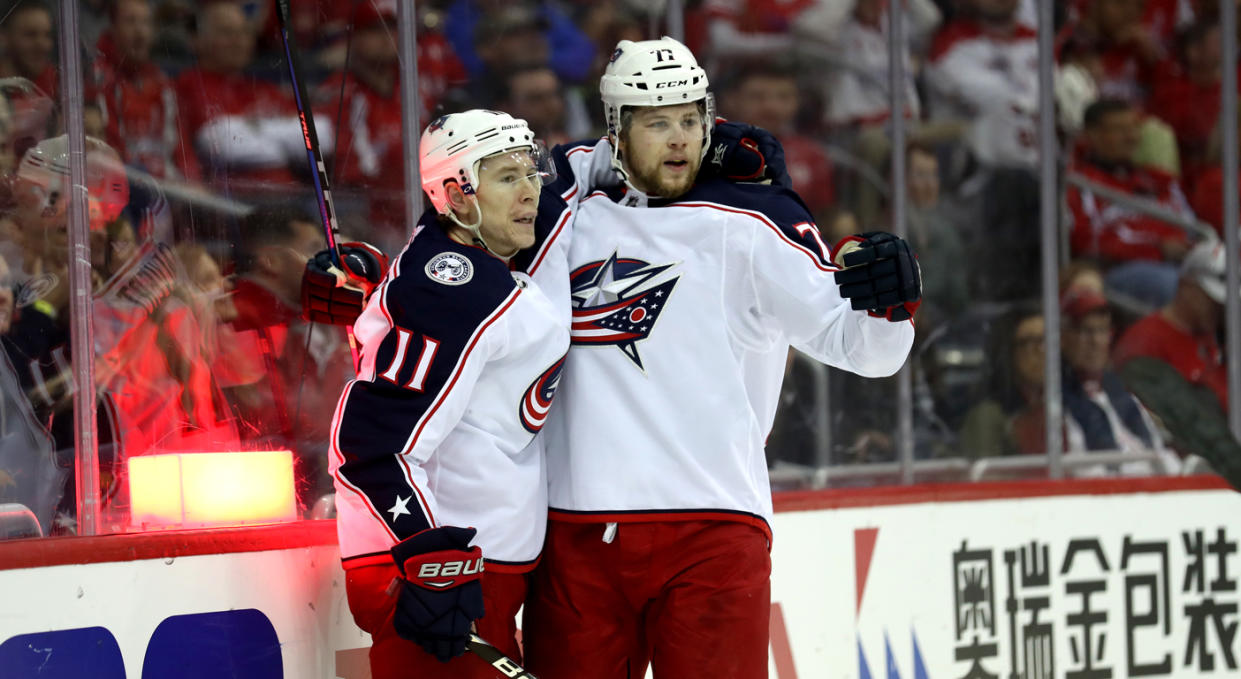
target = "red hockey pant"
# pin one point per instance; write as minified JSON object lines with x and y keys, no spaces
{"x":692,"y":599}
{"x":395,"y":658}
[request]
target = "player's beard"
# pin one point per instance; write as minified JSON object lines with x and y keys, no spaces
{"x":656,"y":182}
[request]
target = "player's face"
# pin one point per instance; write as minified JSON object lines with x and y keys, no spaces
{"x":508,"y":194}
{"x":662,"y":149}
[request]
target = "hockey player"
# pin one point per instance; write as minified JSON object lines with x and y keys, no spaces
{"x":430,"y":448}
{"x":686,"y":297}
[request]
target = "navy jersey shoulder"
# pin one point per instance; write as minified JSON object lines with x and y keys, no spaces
{"x":443,"y":284}
{"x":781,"y":206}
{"x":565,"y":178}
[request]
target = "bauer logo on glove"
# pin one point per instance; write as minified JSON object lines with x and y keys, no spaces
{"x":880,"y":275}
{"x":435,"y":609}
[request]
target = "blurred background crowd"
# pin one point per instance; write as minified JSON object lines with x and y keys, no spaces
{"x":202,"y":213}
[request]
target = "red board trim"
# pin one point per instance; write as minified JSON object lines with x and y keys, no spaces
{"x":43,"y":552}
{"x":61,"y":551}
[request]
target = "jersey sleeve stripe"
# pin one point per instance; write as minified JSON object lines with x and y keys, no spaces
{"x":769,"y":224}
{"x":456,"y":372}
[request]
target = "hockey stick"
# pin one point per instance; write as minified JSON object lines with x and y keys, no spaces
{"x":498,"y":660}
{"x":323,"y":192}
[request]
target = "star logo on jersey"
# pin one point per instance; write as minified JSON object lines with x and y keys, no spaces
{"x":401,"y":506}
{"x":617,"y":301}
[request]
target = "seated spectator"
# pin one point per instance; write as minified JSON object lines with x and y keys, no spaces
{"x":1008,"y":418}
{"x":766,"y":94}
{"x":1141,"y":252}
{"x":1188,"y":97}
{"x":244,"y":129}
{"x":299,"y":378}
{"x":983,"y":67}
{"x":137,"y":102}
{"x":29,"y":46}
{"x":1172,"y":361}
{"x":485,"y":33}
{"x":535,"y":95}
{"x":1130,"y":52}
{"x":369,"y":157}
{"x":762,"y":29}
{"x":1183,"y":333}
{"x":857,"y":84}
{"x":1208,"y":190}
{"x":935,"y":234}
{"x":1100,"y":413}
{"x":1129,"y":60}
{"x":856,"y":88}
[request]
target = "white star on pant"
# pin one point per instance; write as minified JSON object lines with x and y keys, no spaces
{"x":401,"y":506}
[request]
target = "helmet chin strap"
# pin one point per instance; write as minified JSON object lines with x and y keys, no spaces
{"x":475,"y":229}
{"x":619,"y":166}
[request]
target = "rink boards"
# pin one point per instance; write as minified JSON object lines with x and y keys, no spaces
{"x":1109,"y":578}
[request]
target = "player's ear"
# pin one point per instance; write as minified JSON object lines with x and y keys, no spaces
{"x":456,"y":197}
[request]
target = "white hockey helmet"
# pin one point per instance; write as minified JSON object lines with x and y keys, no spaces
{"x":45,"y":167}
{"x":453,"y":145}
{"x":653,"y":73}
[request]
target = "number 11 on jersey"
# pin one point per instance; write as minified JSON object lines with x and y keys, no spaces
{"x":423,"y":365}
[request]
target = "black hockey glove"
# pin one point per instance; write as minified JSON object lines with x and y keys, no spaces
{"x":745,"y":153}
{"x":441,"y":591}
{"x":337,"y":297}
{"x":881,"y":275}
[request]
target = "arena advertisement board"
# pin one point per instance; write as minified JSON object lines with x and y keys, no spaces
{"x":1072,"y":587}
{"x":1079,"y":586}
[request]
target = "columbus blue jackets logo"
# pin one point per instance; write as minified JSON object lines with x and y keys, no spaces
{"x":537,"y":400}
{"x":617,"y":301}
{"x":450,"y":268}
{"x":437,"y":123}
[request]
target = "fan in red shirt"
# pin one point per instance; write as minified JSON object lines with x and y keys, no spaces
{"x":1183,"y":333}
{"x":765,"y":94}
{"x":368,"y":158}
{"x":29,"y":50}
{"x":136,"y":98}
{"x":1141,"y":251}
{"x":1130,"y":51}
{"x":1188,"y":99}
{"x":246,"y":130}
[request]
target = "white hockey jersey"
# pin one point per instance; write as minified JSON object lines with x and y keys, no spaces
{"x":460,"y":362}
{"x":683,"y":314}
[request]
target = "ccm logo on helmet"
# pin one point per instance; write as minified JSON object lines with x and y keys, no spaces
{"x":448,"y":569}
{"x":673,"y":83}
